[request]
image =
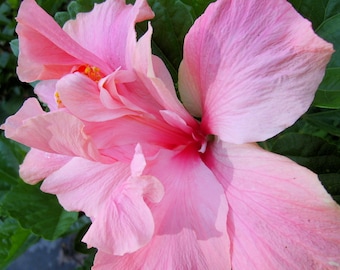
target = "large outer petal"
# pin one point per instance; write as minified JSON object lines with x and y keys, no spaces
{"x":190,"y":221}
{"x":280,"y":216}
{"x":45,"y":50}
{"x":251,"y":68}
{"x":109,"y":30}
{"x":55,"y":132}
{"x":113,"y":196}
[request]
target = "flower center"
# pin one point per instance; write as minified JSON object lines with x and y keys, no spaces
{"x":92,"y":72}
{"x":201,"y":140}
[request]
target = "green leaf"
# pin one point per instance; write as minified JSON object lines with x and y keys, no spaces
{"x":62,"y":17}
{"x":311,"y":9}
{"x":316,"y":11}
{"x":198,"y":6}
{"x":14,"y":4}
{"x":328,"y":121}
{"x":81,"y":6}
{"x":74,"y":8}
{"x":38,"y":211}
{"x":328,"y":94}
{"x":330,"y":31}
{"x":331,"y":182}
{"x":11,"y":155}
{"x":14,"y":241}
{"x":15,"y":46}
{"x":88,"y":263}
{"x":309,"y":151}
{"x":51,"y":6}
{"x":333,"y":8}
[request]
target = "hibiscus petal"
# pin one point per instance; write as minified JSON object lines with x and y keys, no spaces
{"x":157,"y":80}
{"x":251,"y":68}
{"x":109,"y":30}
{"x":190,"y":220}
{"x":45,"y":50}
{"x":122,"y":221}
{"x":45,"y":90}
{"x":38,"y":165}
{"x":114,"y":138}
{"x":280,"y":216}
{"x":55,"y":132}
{"x":82,"y":97}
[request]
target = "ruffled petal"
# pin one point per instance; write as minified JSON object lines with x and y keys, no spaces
{"x":251,"y":68}
{"x":45,"y":50}
{"x":190,"y":220}
{"x":38,"y":165}
{"x":109,"y":30}
{"x":55,"y":132}
{"x":121,"y":220}
{"x":88,"y":101}
{"x":280,"y":216}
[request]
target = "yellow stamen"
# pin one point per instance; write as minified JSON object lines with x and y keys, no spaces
{"x":58,"y":100}
{"x":90,"y":71}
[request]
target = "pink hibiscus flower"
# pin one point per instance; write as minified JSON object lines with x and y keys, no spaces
{"x":163,"y":190}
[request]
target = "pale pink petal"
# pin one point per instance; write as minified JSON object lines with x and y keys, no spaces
{"x":157,"y":80}
{"x":138,"y":162}
{"x":45,"y":90}
{"x":38,"y":165}
{"x":251,"y":68}
{"x":45,"y":50}
{"x":114,"y":138}
{"x":121,"y":220}
{"x":82,"y":97}
{"x":75,"y":183}
{"x":129,"y":221}
{"x":112,"y":90}
{"x":55,"y":132}
{"x":280,"y":216}
{"x":109,"y":30}
{"x":130,"y":92}
{"x":190,"y":221}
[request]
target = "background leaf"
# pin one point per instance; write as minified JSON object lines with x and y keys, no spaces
{"x":329,"y":30}
{"x":328,"y":121}
{"x":332,"y":184}
{"x":73,"y":8}
{"x":14,"y":241}
{"x":328,"y":94}
{"x":316,"y":11}
{"x":38,"y":211}
{"x":309,"y":151}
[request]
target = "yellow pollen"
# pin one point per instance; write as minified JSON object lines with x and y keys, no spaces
{"x":90,"y":71}
{"x":58,"y":100}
